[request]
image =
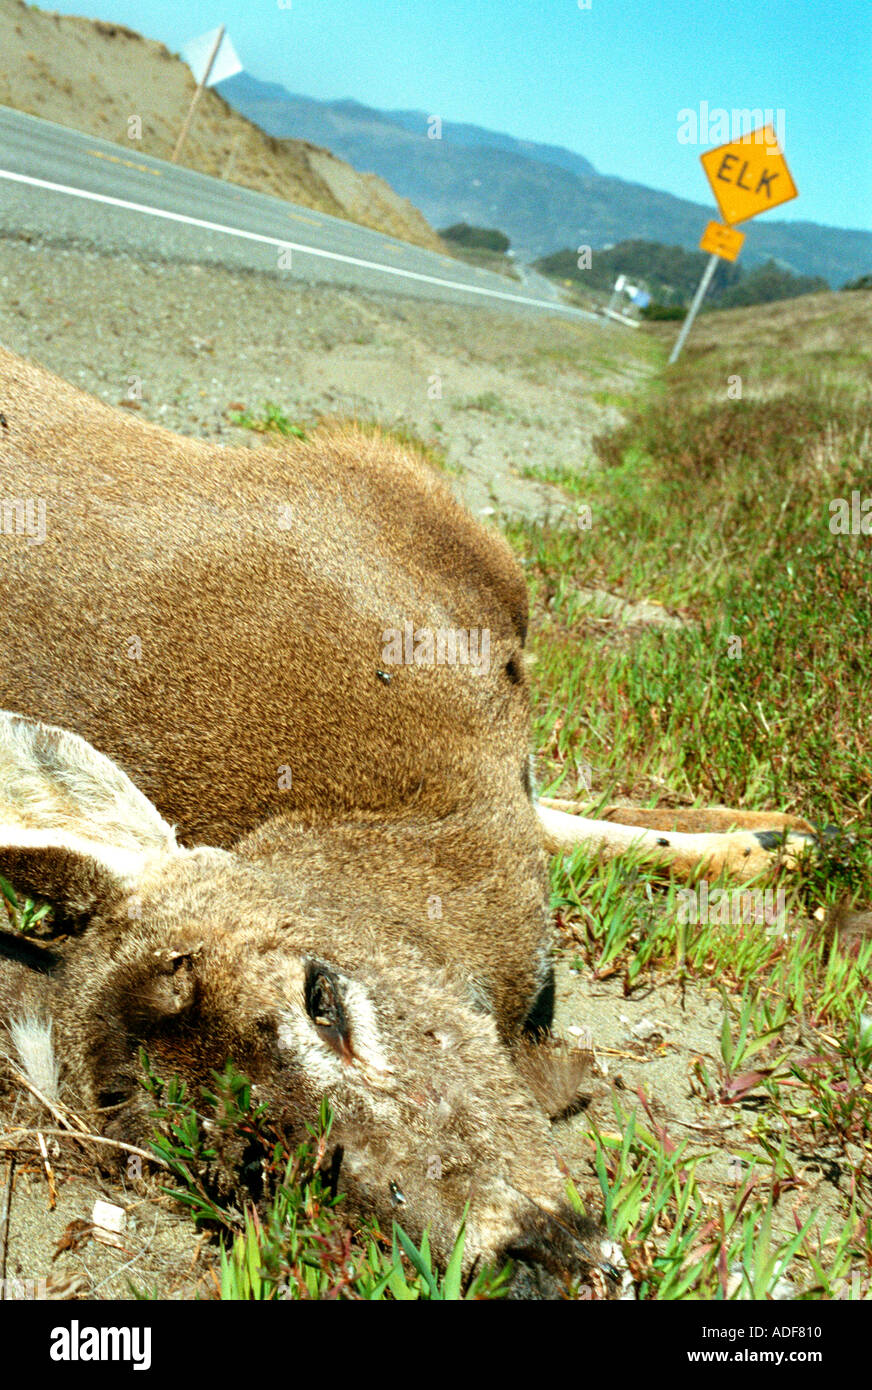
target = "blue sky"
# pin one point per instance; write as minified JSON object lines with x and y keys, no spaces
{"x":608,"y":81}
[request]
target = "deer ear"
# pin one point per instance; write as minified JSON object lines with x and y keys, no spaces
{"x":168,"y":987}
{"x":73,"y":827}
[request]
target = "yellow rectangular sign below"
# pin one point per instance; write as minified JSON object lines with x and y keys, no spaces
{"x":722,"y":241}
{"x":749,"y":175}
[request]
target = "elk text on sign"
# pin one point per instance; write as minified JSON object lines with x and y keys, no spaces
{"x":749,"y":175}
{"x":722,"y":241}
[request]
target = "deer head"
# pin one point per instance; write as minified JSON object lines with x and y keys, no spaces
{"x":202,"y":955}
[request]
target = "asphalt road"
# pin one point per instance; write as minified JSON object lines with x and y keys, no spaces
{"x":59,"y":185}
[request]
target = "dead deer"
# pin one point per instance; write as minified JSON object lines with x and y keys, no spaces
{"x":273,"y":823}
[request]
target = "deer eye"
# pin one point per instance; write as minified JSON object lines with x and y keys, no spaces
{"x":108,"y":1100}
{"x":323,"y":996}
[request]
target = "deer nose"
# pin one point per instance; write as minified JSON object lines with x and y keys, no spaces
{"x":584,"y":1247}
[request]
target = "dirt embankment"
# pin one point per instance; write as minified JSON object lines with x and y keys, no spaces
{"x":94,"y":77}
{"x":507,"y":400}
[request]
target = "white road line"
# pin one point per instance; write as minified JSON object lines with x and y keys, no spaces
{"x":279,"y":241}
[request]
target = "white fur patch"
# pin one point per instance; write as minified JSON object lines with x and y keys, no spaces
{"x":298,"y":1037}
{"x":54,"y":781}
{"x":32,"y":1040}
{"x":365,"y":1037}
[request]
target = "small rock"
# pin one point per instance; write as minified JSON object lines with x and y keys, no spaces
{"x":109,"y":1222}
{"x":646,"y":1028}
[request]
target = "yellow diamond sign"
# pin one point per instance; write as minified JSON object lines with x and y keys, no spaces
{"x":722,"y":241}
{"x":749,"y":175}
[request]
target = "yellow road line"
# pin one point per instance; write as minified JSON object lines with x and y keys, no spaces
{"x":128,"y":163}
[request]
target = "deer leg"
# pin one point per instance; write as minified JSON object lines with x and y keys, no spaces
{"x":742,"y":854}
{"x":691,"y":820}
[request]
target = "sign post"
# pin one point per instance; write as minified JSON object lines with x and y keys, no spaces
{"x":201,"y":55}
{"x":619,"y":285}
{"x":747,"y":177}
{"x":694,"y":308}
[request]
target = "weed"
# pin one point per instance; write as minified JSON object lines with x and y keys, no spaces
{"x":272,"y":421}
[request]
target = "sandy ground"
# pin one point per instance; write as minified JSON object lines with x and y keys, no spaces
{"x":53,"y":1253}
{"x":495,"y":392}
{"x":647,"y":1044}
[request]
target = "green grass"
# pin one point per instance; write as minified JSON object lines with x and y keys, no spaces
{"x":718,"y":509}
{"x":273,"y":420}
{"x":23,"y":914}
{"x":721,"y":515}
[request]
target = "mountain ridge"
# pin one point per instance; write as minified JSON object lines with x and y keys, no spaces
{"x":488,"y":178}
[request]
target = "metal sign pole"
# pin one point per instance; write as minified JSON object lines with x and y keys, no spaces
{"x":692,"y":312}
{"x":196,"y":97}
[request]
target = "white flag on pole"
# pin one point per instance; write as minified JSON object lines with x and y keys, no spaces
{"x":196,"y":54}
